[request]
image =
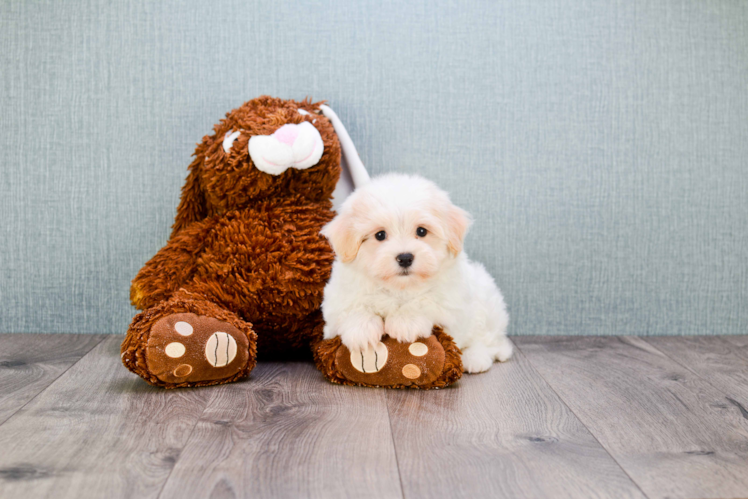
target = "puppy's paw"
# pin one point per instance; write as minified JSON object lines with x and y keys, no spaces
{"x":504,"y":350}
{"x":476,"y":360}
{"x":360,"y":332}
{"x":408,"y":329}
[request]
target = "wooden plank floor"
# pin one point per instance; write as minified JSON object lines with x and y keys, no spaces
{"x":29,"y":363}
{"x":566,"y":417}
{"x":503,"y":433}
{"x":670,"y":429}
{"x":288,"y":433}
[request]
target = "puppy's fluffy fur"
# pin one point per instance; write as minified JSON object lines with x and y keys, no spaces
{"x":370,"y":293}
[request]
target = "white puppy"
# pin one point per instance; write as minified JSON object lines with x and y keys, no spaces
{"x":400,"y":269}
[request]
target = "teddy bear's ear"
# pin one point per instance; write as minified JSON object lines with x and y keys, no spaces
{"x":353,"y":173}
{"x":192,"y":204}
{"x":355,"y":167}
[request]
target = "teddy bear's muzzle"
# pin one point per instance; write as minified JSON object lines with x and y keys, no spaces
{"x":291,"y":146}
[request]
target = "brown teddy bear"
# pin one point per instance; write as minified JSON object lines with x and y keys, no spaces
{"x":245,"y":267}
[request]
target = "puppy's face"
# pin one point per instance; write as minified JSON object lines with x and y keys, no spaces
{"x":399,"y":230}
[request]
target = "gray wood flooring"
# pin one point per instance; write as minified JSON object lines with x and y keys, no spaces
{"x":566,"y":417}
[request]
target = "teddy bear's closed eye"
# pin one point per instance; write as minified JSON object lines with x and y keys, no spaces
{"x":229,"y":139}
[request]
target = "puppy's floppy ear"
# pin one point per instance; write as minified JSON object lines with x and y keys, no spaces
{"x":456,"y":223}
{"x":192,"y":205}
{"x":344,"y":239}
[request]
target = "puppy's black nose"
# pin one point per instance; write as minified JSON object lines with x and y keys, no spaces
{"x":405,"y":259}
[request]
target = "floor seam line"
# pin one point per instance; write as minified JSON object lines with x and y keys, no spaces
{"x":103,"y":338}
{"x":187,"y":441}
{"x":582,"y":422}
{"x":697,"y":374}
{"x":394,"y":446}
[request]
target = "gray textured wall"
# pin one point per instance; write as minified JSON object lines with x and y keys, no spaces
{"x":601,"y":146}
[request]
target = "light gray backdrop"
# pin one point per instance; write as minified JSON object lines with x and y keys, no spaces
{"x":601,"y":146}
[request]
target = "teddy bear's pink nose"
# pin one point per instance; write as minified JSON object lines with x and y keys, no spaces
{"x":287,"y":134}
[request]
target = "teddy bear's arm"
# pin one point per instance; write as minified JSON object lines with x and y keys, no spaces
{"x":171,"y":268}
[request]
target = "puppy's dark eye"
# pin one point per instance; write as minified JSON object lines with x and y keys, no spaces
{"x":381,"y":235}
{"x":421,"y":231}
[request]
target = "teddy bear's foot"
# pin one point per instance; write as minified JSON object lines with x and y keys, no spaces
{"x":185,"y":348}
{"x":429,"y":363}
{"x":187,"y":342}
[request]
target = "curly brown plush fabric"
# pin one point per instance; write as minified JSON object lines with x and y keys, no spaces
{"x":244,"y":270}
{"x":245,"y":246}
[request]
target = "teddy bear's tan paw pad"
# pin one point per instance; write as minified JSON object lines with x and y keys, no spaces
{"x":392,"y":363}
{"x":185,"y":347}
